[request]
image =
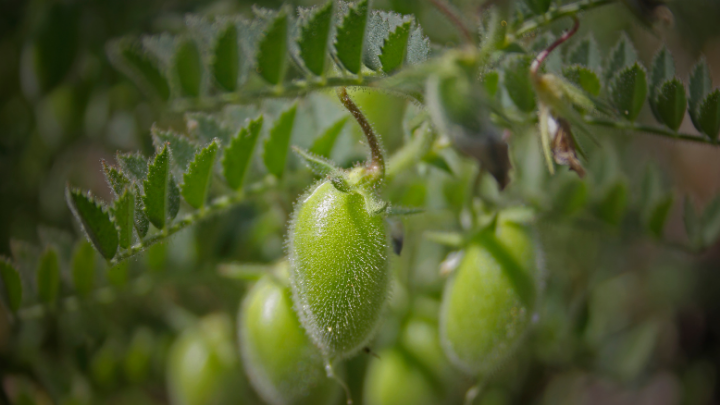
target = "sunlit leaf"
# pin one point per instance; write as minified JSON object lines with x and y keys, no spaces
{"x":350,"y":37}
{"x":272,"y":49}
{"x":314,"y":38}
{"x":628,"y":90}
{"x":237,"y":156}
{"x":323,"y":145}
{"x":278,"y":142}
{"x":226,"y":62}
{"x":123,"y":212}
{"x":196,"y":180}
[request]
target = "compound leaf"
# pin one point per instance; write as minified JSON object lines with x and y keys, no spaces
{"x":663,"y":69}
{"x":586,"y":54}
{"x":278,"y":143}
{"x":95,"y":221}
{"x":197,"y":178}
{"x":236,"y":157}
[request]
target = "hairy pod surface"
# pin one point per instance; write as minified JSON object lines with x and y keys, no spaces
{"x":283,"y":365}
{"x":339,"y":268}
{"x":203,"y":366}
{"x":483,"y":315}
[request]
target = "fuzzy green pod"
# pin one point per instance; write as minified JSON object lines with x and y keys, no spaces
{"x":281,"y":362}
{"x":339,"y":268}
{"x":203,"y":366}
{"x":488,"y":302}
{"x":397,"y":379}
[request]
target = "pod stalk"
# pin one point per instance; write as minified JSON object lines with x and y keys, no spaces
{"x":535,"y":67}
{"x":377,"y":161}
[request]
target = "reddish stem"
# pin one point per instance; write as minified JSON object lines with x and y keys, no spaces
{"x":544,"y":54}
{"x":452,"y":15}
{"x":377,"y":161}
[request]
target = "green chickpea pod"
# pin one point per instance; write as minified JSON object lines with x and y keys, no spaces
{"x":283,"y":365}
{"x":489,"y":300}
{"x":339,"y":252}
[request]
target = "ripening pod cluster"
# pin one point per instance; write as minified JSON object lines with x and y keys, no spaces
{"x":283,"y":365}
{"x":489,"y":301}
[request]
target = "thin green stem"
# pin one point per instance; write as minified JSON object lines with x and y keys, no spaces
{"x":286,"y":90}
{"x":632,"y":126}
{"x":555,"y":14}
{"x":453,"y":16}
{"x":218,"y":205}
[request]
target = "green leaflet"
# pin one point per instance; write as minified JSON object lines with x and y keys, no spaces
{"x":323,"y":168}
{"x":670,"y":103}
{"x":188,"y":68}
{"x":663,"y":69}
{"x":323,"y":145}
{"x":584,"y":77}
{"x":206,"y":127}
{"x":539,"y":6}
{"x":115,"y":178}
{"x":182,"y":148}
{"x":226,"y":58}
{"x":586,"y":54}
{"x":518,"y":85}
{"x":658,"y":214}
{"x":708,"y":115}
{"x":12,"y":291}
{"x":278,"y":143}
{"x":622,"y":56}
{"x":142,"y":223}
{"x":394,"y":47}
{"x":48,"y":276}
{"x":237,"y":156}
{"x":691,"y":222}
{"x":628,"y":90}
{"x":83,"y":268}
{"x":491,"y":82}
{"x":314,"y":38}
{"x":613,"y":205}
{"x":272,"y":49}
{"x":161,"y":194}
{"x":141,"y":68}
{"x":196,"y":180}
{"x":710,"y":222}
{"x":123,"y":213}
{"x":700,"y":86}
{"x":133,"y":165}
{"x":95,"y":221}
{"x":350,"y":37}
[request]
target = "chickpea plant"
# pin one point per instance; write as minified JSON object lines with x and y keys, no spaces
{"x":476,"y":113}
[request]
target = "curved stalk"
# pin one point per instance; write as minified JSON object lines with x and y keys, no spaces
{"x":377,"y":161}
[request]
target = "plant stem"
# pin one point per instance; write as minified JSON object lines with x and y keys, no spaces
{"x":544,"y":54}
{"x":288,"y":90}
{"x":218,"y":205}
{"x":377,"y":161}
{"x":632,"y":126}
{"x":455,"y":18}
{"x":558,"y":13}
